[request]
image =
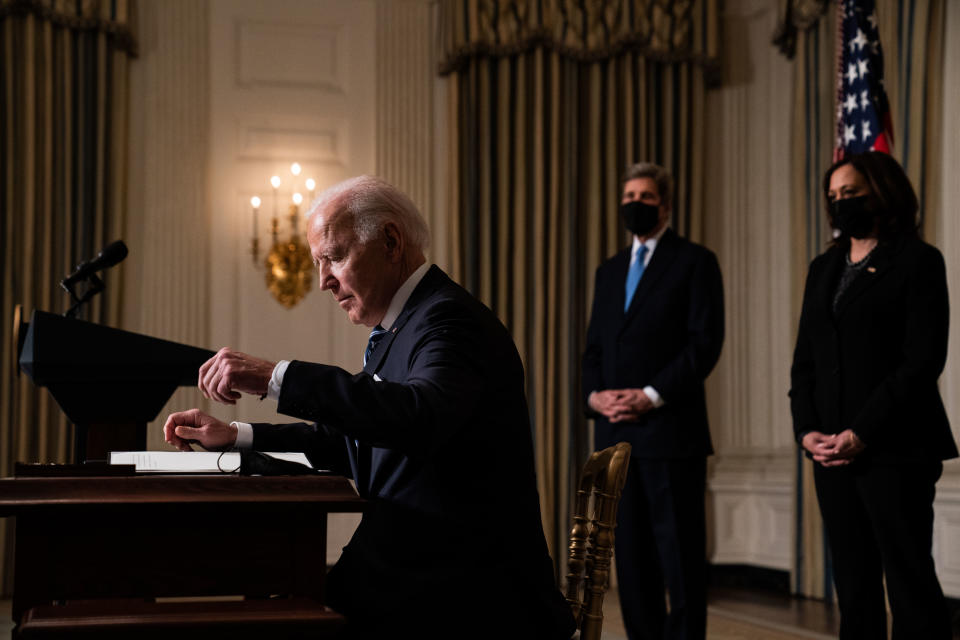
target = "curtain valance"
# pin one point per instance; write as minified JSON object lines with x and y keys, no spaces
{"x":588,"y":30}
{"x":111,"y":17}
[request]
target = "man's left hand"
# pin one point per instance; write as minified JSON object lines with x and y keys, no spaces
{"x":227,"y":375}
{"x":633,"y":403}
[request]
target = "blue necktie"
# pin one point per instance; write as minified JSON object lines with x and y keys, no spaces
{"x":633,"y":275}
{"x":375,"y":335}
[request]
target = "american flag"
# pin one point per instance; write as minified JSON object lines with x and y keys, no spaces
{"x":863,"y":112}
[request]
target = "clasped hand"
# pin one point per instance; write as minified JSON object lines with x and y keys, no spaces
{"x":833,"y":450}
{"x":620,"y":405}
{"x":229,"y":374}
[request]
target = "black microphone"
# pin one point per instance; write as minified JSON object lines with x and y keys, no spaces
{"x":111,"y":255}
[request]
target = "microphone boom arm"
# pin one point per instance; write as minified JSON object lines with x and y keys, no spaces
{"x":96,"y":286}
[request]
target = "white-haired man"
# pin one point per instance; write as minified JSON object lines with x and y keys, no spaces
{"x":434,"y":430}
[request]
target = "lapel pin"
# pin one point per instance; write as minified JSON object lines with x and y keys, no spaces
{"x":872,"y":269}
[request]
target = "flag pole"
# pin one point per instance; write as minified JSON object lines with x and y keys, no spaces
{"x":838,"y":97}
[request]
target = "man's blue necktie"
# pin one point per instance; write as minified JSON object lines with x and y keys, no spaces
{"x":375,"y":335}
{"x":633,"y":275}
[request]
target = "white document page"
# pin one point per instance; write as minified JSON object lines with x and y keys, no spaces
{"x":191,"y":461}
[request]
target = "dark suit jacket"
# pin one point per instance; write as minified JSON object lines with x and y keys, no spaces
{"x":874,"y":367}
{"x":446,"y":457}
{"x":670,"y":338}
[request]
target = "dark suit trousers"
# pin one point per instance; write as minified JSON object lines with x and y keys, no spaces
{"x":879,"y":520}
{"x":661,"y":549}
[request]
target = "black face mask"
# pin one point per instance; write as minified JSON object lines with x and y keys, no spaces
{"x":853,"y":216}
{"x":640,"y":217}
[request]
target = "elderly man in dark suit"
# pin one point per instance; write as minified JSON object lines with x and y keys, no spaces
{"x":434,"y":430}
{"x":655,"y":332}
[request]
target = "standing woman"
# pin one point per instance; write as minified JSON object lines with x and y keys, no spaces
{"x":866,"y":408}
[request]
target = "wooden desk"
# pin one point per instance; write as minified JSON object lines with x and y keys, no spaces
{"x":162,"y":536}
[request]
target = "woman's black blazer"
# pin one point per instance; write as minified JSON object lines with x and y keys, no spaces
{"x":873,"y":366}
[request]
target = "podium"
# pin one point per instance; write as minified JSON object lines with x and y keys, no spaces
{"x":106,"y":548}
{"x":110,"y":383}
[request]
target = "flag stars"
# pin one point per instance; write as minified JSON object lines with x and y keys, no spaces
{"x":848,"y":134}
{"x":865,"y":130}
{"x":851,"y":73}
{"x":872,"y":19}
{"x":864,"y":99}
{"x":859,"y":41}
{"x":862,"y":67}
{"x":851,"y":102}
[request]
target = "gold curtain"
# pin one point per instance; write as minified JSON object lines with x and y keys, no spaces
{"x":911,"y":35}
{"x":548,"y":103}
{"x":63,"y":137}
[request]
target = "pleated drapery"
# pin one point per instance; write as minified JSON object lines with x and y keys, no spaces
{"x":549,"y":101}
{"x":63,"y":137}
{"x":911,"y":34}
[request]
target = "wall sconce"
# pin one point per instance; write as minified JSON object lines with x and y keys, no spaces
{"x":289,"y":265}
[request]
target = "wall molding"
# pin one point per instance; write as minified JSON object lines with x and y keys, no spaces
{"x":751,"y":509}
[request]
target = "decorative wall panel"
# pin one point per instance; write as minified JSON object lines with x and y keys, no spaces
{"x":289,"y":55}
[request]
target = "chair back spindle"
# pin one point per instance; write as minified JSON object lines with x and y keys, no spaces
{"x":592,"y":536}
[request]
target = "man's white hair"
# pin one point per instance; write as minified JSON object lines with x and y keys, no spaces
{"x":372,"y":202}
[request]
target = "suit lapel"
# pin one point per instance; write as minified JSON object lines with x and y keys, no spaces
{"x":621,"y":265}
{"x":828,"y":283}
{"x":663,"y":257}
{"x":369,"y":458}
{"x":426,"y":286}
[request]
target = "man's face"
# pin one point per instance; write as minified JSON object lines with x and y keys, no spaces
{"x":645,"y":190}
{"x":358,"y":275}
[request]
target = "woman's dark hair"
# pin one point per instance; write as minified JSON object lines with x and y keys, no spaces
{"x":892,"y":193}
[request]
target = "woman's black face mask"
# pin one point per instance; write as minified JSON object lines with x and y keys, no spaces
{"x":854,"y":217}
{"x":640,"y":217}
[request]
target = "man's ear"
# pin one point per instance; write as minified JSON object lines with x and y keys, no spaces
{"x":393,"y":241}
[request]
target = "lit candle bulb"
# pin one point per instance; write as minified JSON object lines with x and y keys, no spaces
{"x":275,"y":183}
{"x":255,"y":203}
{"x":311,"y":184}
{"x":295,"y":168}
{"x":297,"y":199}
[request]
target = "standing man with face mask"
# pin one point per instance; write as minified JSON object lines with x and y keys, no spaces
{"x":655,"y":333}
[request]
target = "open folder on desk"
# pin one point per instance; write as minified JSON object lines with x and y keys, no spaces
{"x":199,"y":461}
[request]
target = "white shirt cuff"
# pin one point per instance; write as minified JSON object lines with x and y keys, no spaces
{"x":654,"y":396}
{"x":244,"y":435}
{"x":276,"y":380}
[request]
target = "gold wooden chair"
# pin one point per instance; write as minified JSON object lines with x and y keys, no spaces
{"x":591,"y":539}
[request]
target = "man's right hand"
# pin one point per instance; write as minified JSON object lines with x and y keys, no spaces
{"x":184,"y":427}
